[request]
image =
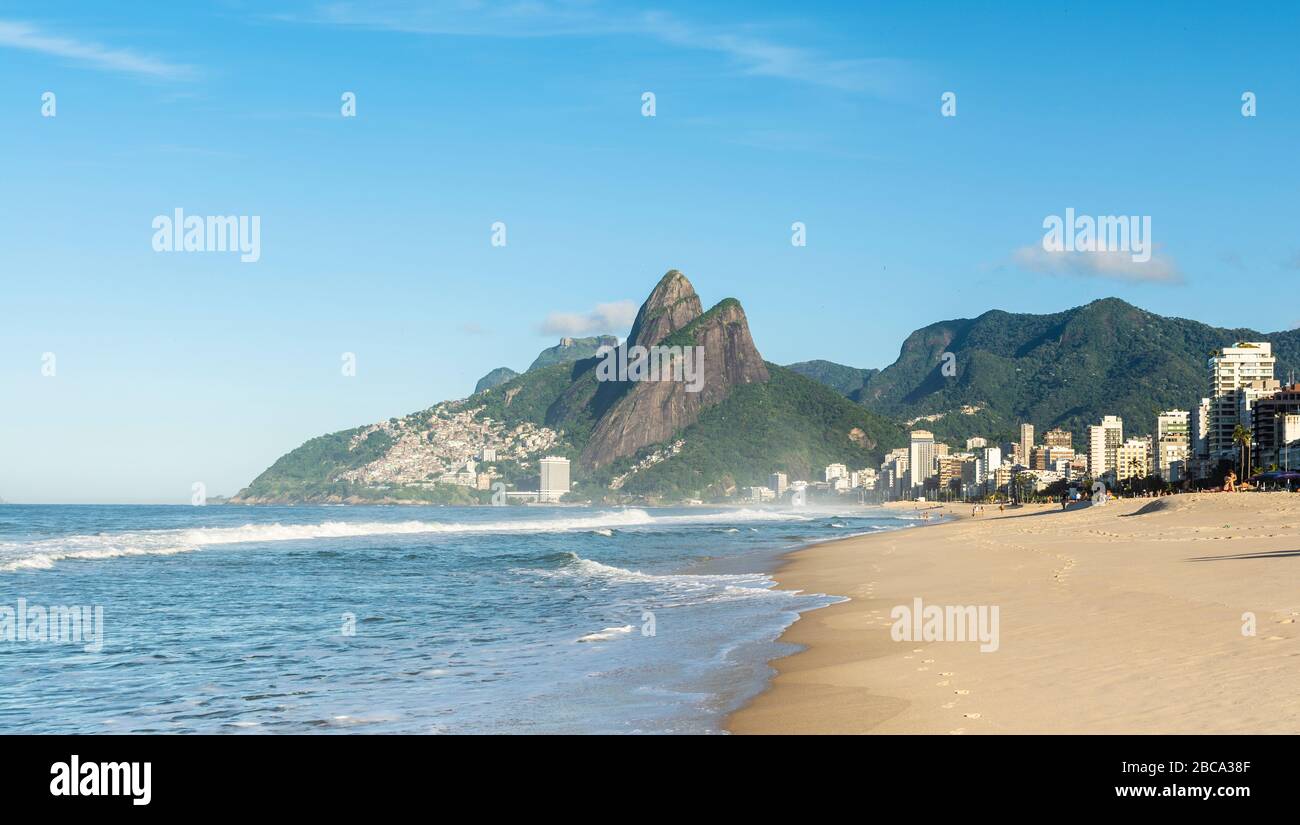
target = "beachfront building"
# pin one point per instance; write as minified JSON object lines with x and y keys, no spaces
{"x":758,"y":495}
{"x":920,"y":461}
{"x":1046,"y":478}
{"x":554,"y":482}
{"x":1173,"y":444}
{"x":1046,"y":458}
{"x":1198,"y":427}
{"x":1061,"y":439}
{"x":1288,"y":454}
{"x":893,"y":473}
{"x":1133,"y":459}
{"x":834,"y":471}
{"x":970,"y":480}
{"x":1056,"y":455}
{"x":1238,"y":377}
{"x":987,"y":461}
{"x":888,"y":483}
{"x":778,"y":483}
{"x":1104,"y":441}
{"x":1026,"y":444}
{"x":865,"y":478}
{"x":1269,"y":417}
{"x":799,"y":492}
{"x":950,"y":472}
{"x":1001,"y":478}
{"x":467,"y":476}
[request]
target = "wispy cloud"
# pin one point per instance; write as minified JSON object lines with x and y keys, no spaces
{"x":611,"y":318}
{"x":750,"y":51}
{"x":1118,"y":266}
{"x":17,"y":35}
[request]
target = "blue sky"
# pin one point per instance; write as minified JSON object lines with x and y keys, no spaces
{"x":176,"y":368}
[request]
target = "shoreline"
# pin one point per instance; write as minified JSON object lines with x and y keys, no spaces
{"x":1123,"y":618}
{"x":782,"y":563}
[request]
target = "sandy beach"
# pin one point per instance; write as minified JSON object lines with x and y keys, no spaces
{"x":1123,"y":618}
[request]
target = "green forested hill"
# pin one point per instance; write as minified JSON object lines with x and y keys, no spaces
{"x":1067,"y":369}
{"x":790,"y":423}
{"x":843,"y":379}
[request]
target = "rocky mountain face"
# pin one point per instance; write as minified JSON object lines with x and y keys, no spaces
{"x":672,"y":305}
{"x":707,"y":432}
{"x":635,"y":414}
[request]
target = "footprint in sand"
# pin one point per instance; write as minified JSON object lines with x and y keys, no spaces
{"x":944,"y":683}
{"x":927,"y":661}
{"x":957,"y":732}
{"x":917,"y":649}
{"x":971,"y":715}
{"x":961,"y":691}
{"x":922,"y":668}
{"x":1287,"y":621}
{"x":1275,"y":638}
{"x":949,"y":705}
{"x":946,"y":673}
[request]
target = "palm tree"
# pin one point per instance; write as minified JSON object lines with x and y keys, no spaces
{"x":1136,"y":465}
{"x":1242,"y":437}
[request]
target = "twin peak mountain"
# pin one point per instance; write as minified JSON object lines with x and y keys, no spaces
{"x":728,"y":425}
{"x":630,"y":415}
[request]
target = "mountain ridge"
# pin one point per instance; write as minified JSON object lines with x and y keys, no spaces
{"x":646,"y":440}
{"x":1063,"y":369}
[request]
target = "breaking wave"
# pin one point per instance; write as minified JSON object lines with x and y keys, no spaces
{"x":44,"y":553}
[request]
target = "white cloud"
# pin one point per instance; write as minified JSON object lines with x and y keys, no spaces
{"x":1118,"y":266}
{"x":605,"y":318}
{"x":15,"y":35}
{"x":752,"y":53}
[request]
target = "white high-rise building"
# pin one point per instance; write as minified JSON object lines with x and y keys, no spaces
{"x":555,"y":478}
{"x":987,"y":462}
{"x":1173,"y":444}
{"x":1199,"y":427}
{"x":1104,"y":441}
{"x":1026,"y":446}
{"x":1237,"y":377}
{"x":920,"y":462}
{"x":834,"y":471}
{"x":777,"y":483}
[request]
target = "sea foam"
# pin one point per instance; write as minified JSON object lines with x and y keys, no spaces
{"x":44,"y":553}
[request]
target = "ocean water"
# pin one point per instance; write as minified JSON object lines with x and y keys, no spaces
{"x":226,"y":619}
